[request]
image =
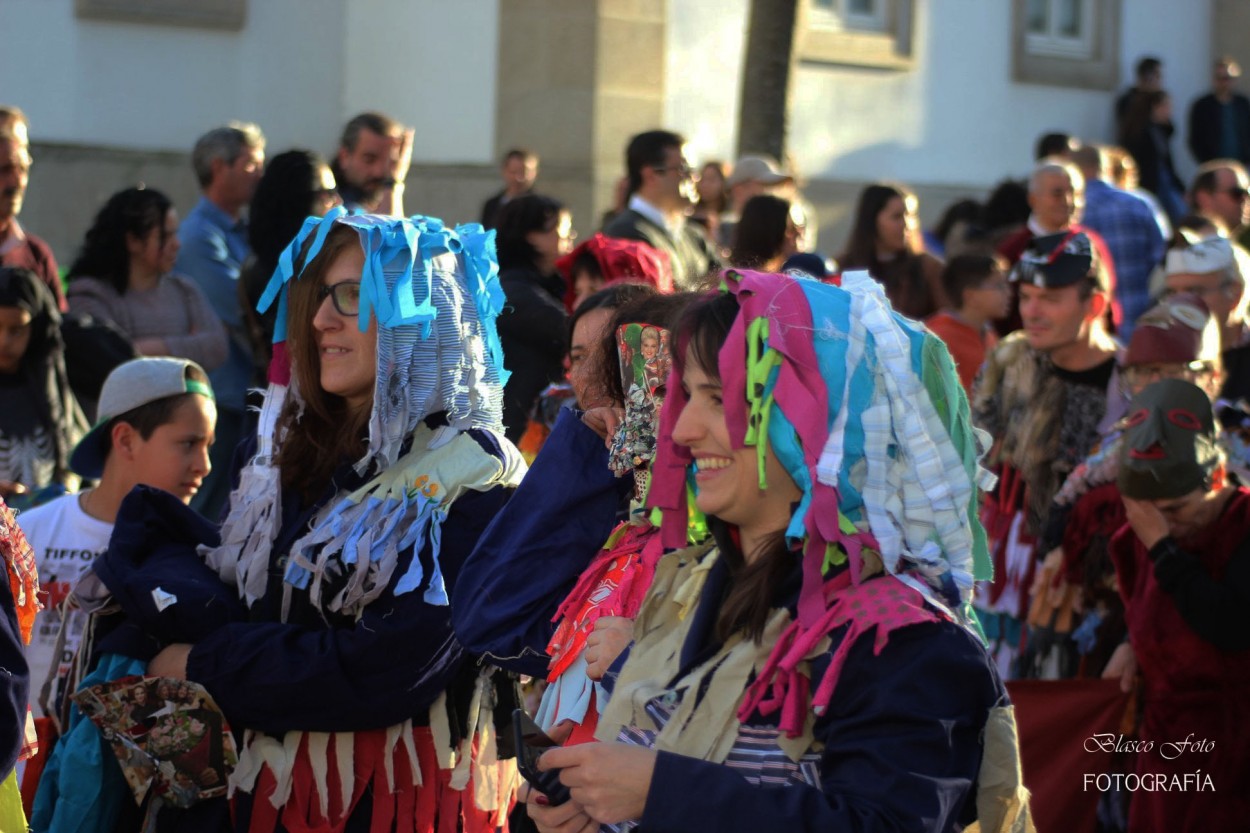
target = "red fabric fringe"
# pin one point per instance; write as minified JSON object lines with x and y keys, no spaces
{"x":433,"y":807}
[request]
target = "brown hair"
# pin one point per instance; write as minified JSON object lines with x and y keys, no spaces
{"x":755,"y":583}
{"x":321,"y":433}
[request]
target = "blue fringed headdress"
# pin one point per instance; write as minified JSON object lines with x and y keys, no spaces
{"x":435,"y":295}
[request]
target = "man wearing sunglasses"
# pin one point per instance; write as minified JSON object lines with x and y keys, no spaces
{"x":661,"y":188}
{"x":1219,"y":194}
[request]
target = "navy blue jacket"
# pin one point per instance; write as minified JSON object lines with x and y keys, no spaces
{"x":529,"y":558}
{"x":314,"y":675}
{"x":902,"y":739}
{"x":14,"y":680}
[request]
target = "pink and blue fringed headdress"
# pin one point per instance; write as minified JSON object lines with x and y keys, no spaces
{"x":865,"y":411}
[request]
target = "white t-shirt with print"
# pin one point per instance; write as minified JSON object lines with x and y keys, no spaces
{"x":66,"y":541}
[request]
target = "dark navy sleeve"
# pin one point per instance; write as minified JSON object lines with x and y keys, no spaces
{"x":14,"y":680}
{"x":391,"y":666}
{"x":902,"y":750}
{"x":528,"y":559}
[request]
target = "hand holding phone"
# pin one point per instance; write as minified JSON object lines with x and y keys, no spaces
{"x":531,"y":742}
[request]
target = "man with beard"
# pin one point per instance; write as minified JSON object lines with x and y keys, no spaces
{"x":371,"y":164}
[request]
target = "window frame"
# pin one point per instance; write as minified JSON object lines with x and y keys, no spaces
{"x":230,"y":15}
{"x":883,"y":41}
{"x":1052,"y":44}
{"x":1057,"y":62}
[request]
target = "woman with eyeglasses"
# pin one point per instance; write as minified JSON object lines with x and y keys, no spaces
{"x":296,"y":185}
{"x":124,"y":275}
{"x":378,"y":461}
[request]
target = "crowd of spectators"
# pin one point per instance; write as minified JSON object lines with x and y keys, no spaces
{"x":1062,"y":298}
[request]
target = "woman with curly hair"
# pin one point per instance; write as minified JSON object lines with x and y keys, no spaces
{"x":124,"y":275}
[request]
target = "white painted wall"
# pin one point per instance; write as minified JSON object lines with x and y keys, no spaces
{"x":299,"y":68}
{"x":428,"y":63}
{"x":703,"y":74}
{"x":956,"y":119}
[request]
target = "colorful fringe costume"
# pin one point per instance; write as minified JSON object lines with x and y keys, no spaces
{"x":864,"y":410}
{"x":617,"y":579}
{"x":435,"y":436}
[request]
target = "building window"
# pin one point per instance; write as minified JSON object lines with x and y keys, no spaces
{"x":1066,"y":43}
{"x":1063,"y":28}
{"x":859,"y":32}
{"x":203,"y":14}
{"x":849,"y":15}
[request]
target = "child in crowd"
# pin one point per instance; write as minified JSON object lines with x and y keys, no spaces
{"x":40,"y":420}
{"x":979,"y":293}
{"x":155,"y":427}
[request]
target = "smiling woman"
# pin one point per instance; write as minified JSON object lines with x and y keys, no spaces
{"x":754,"y":697}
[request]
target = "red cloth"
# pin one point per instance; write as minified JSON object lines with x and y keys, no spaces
{"x":433,"y":807}
{"x":1055,"y":719}
{"x":1191,"y":688}
{"x":36,"y":255}
{"x":967,"y":345}
{"x":620,"y":261}
{"x":614,"y":584}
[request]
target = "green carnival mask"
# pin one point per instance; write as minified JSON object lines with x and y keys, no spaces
{"x":1169,"y":447}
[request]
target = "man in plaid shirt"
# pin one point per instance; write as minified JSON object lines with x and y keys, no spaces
{"x":1128,"y":227}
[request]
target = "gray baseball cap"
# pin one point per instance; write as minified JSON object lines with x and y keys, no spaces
{"x":757,"y":169}
{"x":132,"y":385}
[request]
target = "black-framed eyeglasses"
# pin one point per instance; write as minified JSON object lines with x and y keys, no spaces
{"x":345,"y":296}
{"x":1238,"y":193}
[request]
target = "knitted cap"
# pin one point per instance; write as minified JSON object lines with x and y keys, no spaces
{"x":1177,"y":330}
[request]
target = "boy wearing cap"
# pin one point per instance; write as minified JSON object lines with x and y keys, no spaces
{"x":1041,"y":395}
{"x":1183,"y":564}
{"x":155,"y":426}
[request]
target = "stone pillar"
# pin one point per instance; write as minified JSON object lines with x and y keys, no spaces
{"x":577,"y":78}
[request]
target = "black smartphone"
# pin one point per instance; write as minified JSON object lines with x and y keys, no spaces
{"x":531,"y":742}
